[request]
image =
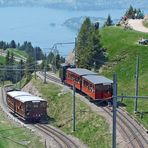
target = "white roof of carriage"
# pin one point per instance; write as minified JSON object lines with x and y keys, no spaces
{"x":18,"y":93}
{"x":24,"y":96}
{"x":95,"y":79}
{"x":81,"y":71}
{"x":29,"y":98}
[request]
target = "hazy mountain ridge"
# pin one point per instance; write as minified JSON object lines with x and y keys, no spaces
{"x":75,"y":23}
{"x":78,"y":4}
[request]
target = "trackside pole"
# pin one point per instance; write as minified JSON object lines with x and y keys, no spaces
{"x":136,"y":88}
{"x":75,"y":61}
{"x":45,"y":75}
{"x":114,"y":110}
{"x":73,"y":109}
{"x":45,"y":144}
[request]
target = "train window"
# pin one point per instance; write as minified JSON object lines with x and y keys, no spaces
{"x":35,"y":105}
{"x":28,"y":106}
{"x":106,"y":87}
{"x":99,"y":88}
{"x":85,"y":83}
{"x":43,"y":104}
{"x":91,"y":88}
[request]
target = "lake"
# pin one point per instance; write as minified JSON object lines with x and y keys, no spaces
{"x":43,"y":26}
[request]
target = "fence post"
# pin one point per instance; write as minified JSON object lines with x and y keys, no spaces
{"x":136,"y":87}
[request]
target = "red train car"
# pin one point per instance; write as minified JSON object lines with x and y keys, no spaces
{"x":97,"y":87}
{"x":27,"y":106}
{"x":74,"y":75}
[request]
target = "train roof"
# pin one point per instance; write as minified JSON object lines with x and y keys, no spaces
{"x":81,"y":71}
{"x":18,"y":93}
{"x":95,"y":79}
{"x":29,"y":98}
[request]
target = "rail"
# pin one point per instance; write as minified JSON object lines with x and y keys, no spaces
{"x":127,"y":126}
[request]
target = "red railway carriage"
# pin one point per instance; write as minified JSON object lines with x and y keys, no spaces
{"x":97,"y":87}
{"x":74,"y":75}
{"x":27,"y":106}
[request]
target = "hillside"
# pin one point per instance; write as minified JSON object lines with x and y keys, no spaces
{"x":18,"y":54}
{"x":123,"y":49}
{"x":145,"y":21}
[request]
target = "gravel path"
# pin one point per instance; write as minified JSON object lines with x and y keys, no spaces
{"x":136,"y":24}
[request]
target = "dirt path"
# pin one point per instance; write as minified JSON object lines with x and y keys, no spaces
{"x":136,"y":24}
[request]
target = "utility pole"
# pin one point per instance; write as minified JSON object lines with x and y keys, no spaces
{"x":114,"y":110}
{"x":16,"y":73}
{"x":45,"y":66}
{"x":20,"y":76}
{"x":75,"y":58}
{"x":73,"y":109}
{"x":136,"y":87}
{"x":35,"y":64}
{"x":55,"y":55}
{"x":20,"y":80}
{"x":45,"y":144}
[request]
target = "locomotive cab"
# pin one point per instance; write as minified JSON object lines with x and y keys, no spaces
{"x":62,"y":71}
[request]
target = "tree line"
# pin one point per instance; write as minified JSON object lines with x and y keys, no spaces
{"x":14,"y":71}
{"x":34,"y":52}
{"x":133,"y":13}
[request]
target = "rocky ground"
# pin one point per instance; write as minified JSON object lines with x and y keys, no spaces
{"x":137,"y":24}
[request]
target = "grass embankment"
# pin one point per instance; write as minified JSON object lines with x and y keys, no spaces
{"x":13,"y":136}
{"x":123,"y":49}
{"x":18,"y":53}
{"x":145,"y":22}
{"x":90,"y":127}
{"x":2,"y":60}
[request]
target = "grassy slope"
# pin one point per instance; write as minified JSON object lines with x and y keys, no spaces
{"x":10,"y":134}
{"x":90,"y":128}
{"x":18,"y":53}
{"x":2,"y":60}
{"x":122,"y":51}
{"x":145,"y":23}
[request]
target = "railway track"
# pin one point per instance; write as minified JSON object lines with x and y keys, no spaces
{"x":62,"y":140}
{"x":50,"y":77}
{"x":139,"y":135}
{"x":130,"y":130}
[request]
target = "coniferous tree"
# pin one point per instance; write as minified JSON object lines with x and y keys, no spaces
{"x":88,"y":46}
{"x":84,"y":44}
{"x":133,"y":13}
{"x":21,"y":67}
{"x":109,"y":21}
{"x":28,"y":66}
{"x":12,"y":44}
{"x":7,"y":58}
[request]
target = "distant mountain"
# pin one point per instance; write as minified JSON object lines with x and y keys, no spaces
{"x":75,"y":23}
{"x":78,"y":4}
